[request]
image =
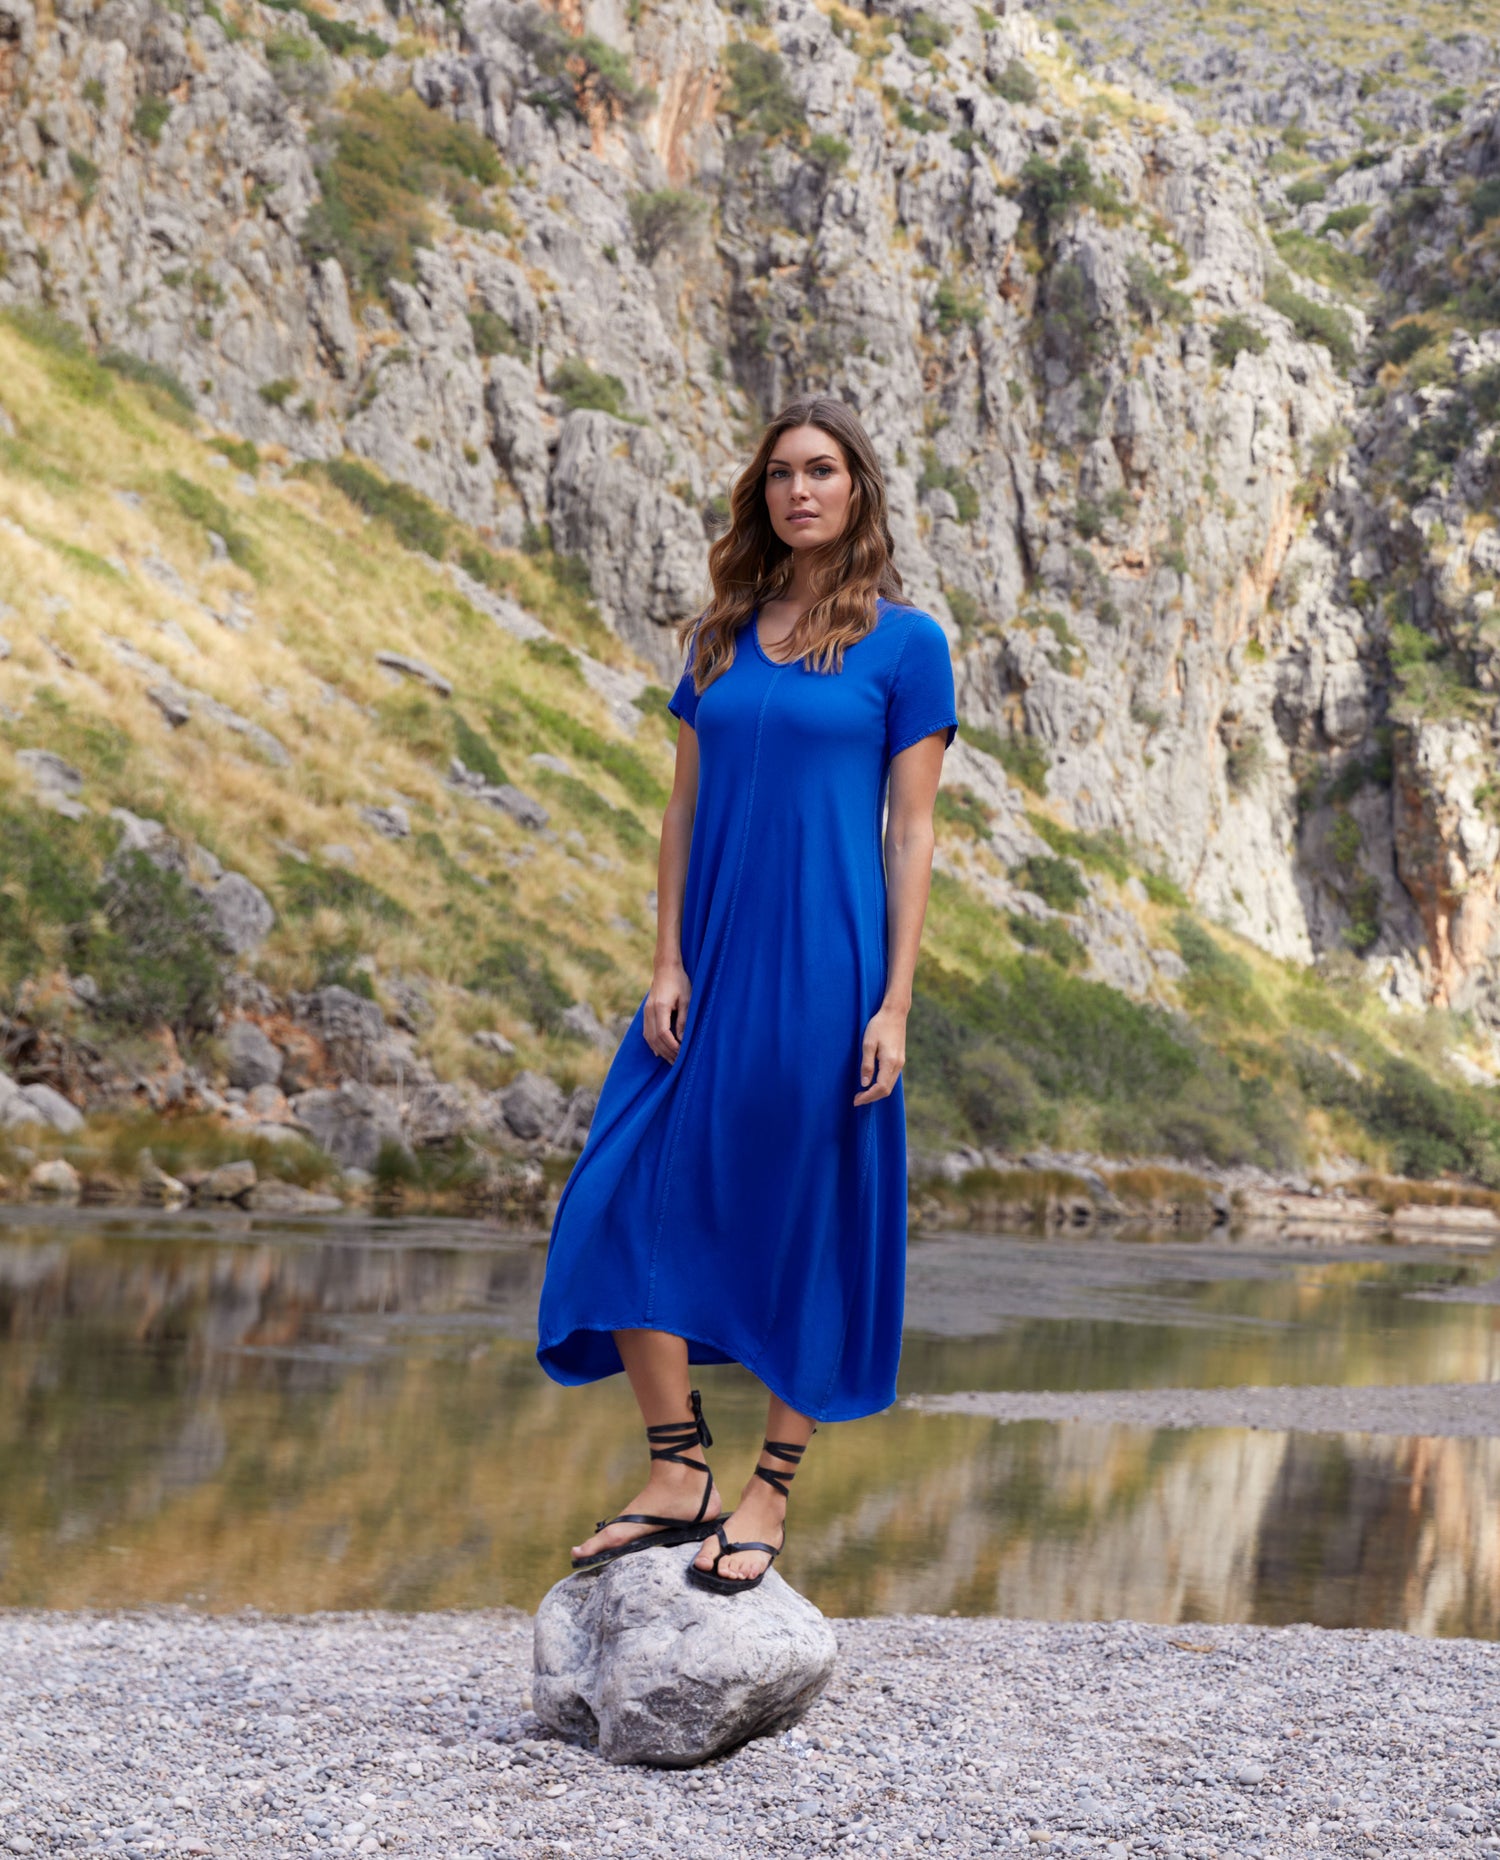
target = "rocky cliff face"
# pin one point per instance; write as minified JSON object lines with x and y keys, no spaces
{"x":551,"y":268}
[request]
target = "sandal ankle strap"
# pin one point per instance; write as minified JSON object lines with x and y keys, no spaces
{"x":781,"y":1450}
{"x":670,"y":1440}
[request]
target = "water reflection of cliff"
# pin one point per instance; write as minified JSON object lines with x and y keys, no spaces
{"x":233,"y":1418}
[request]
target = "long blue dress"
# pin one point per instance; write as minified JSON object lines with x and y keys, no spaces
{"x":735,"y":1195}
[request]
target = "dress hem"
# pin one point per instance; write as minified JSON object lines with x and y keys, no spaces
{"x":819,"y":1412}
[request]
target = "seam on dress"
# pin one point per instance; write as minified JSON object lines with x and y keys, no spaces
{"x":682,"y":1100}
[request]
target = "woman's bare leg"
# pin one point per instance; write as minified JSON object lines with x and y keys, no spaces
{"x":760,"y":1515}
{"x":656,"y":1363}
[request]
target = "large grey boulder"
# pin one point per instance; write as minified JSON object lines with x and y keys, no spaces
{"x":532,"y":1104}
{"x":242,"y":911}
{"x":37,"y":1104}
{"x":350,"y":1026}
{"x":253,"y":1059}
{"x":661,"y":1672}
{"x":350,"y":1123}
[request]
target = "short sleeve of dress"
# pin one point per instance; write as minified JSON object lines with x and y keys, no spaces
{"x":921,"y":698}
{"x":683,"y":702}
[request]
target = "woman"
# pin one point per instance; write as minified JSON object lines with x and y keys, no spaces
{"x":741,"y":1196}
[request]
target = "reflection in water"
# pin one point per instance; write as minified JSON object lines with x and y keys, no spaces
{"x":348,"y":1415}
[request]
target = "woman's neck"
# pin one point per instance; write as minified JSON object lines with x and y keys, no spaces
{"x":799,"y":593}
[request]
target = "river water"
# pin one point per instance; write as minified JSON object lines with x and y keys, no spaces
{"x":233,"y":1410}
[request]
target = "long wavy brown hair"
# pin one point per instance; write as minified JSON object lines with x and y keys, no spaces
{"x":750,"y":564}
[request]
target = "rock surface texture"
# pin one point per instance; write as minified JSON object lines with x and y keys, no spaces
{"x":660,"y":1672}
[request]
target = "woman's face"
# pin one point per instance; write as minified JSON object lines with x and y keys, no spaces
{"x":808,"y":487}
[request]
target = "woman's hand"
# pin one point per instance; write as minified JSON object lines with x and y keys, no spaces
{"x":882,"y":1054}
{"x":668,"y":995}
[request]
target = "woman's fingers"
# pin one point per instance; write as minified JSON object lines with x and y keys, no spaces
{"x":662,"y":1016}
{"x":879,"y":1069}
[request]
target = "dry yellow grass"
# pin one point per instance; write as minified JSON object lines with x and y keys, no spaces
{"x":328,"y":589}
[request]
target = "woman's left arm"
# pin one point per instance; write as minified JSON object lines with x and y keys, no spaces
{"x":909,"y":840}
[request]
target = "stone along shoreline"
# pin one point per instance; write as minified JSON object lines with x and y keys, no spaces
{"x":168,"y":1732}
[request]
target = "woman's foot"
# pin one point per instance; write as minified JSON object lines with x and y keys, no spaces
{"x":759,"y":1517}
{"x":671,"y":1492}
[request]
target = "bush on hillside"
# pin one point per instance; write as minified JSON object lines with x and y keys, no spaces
{"x":391,"y":158}
{"x":758,"y":94}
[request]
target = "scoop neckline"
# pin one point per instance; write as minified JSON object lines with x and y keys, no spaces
{"x":776,"y":665}
{"x":782,"y":665}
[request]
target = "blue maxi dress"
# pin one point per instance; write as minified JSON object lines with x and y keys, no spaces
{"x":735,"y":1195}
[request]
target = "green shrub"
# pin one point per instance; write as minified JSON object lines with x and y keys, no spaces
{"x":416,"y":523}
{"x":1232,"y":336}
{"x":1431,"y":1128}
{"x":1068,"y":330}
{"x":923,"y":33}
{"x":299,"y":65}
{"x":516,"y":971}
{"x":1484,"y":202}
{"x":920,"y":122}
{"x":962,"y":808}
{"x":1400,"y":344}
{"x":474,"y":751}
{"x":758,"y":94}
{"x":1024,"y":758}
{"x":47,"y":885}
{"x":200,"y":505}
{"x":390,"y":157}
{"x":150,"y":118}
{"x":667,"y":216}
{"x":965,"y":610}
{"x":995,"y":1096}
{"x":954,"y":307}
{"x":85,"y":172}
{"x":1162,"y":890}
{"x":167,"y":393}
{"x":1245,"y":762}
{"x":159,"y":959}
{"x":1048,"y":938}
{"x":1313,"y":322}
{"x":1150,"y":294}
{"x":1304,"y":193}
{"x":278,"y":392}
{"x":493,"y":335}
{"x":578,"y":385}
{"x":634,"y":775}
{"x":1219,"y":980}
{"x":553,"y":652}
{"x":1346,"y":219}
{"x":1051,"y":189}
{"x":308,"y":889}
{"x":949,"y":478}
{"x":1104,"y":851}
{"x":1016,"y":83}
{"x":1057,"y":882}
{"x":339,"y":37}
{"x":576,"y":67}
{"x":830,"y":153}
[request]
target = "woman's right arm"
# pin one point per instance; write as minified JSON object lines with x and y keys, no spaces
{"x":671,"y":987}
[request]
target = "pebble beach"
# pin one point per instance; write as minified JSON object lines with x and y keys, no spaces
{"x":176,"y":1733}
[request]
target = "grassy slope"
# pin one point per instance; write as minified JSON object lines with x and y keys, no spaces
{"x":1008,"y":1046}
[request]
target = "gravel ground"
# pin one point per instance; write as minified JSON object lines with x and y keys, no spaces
{"x":1461,"y":1410}
{"x":174,"y":1733}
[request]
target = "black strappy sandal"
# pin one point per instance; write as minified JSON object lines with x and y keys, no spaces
{"x":733,"y":1585}
{"x":669,"y":1441}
